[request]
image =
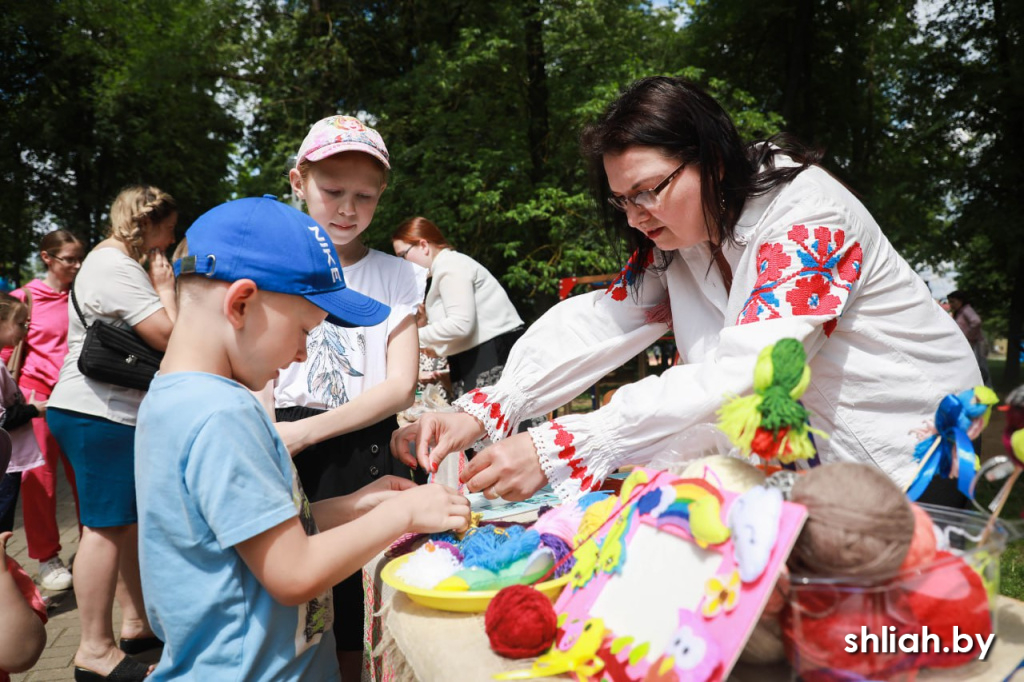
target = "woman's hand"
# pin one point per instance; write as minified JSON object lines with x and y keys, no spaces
{"x":427,"y":441}
{"x":161,"y":274}
{"x":40,"y":405}
{"x":509,"y":470}
{"x":421,"y":315}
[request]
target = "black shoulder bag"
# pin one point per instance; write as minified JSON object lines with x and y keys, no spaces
{"x":116,"y":355}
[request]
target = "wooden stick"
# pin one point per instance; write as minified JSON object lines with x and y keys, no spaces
{"x":1004,"y":494}
{"x":924,"y":461}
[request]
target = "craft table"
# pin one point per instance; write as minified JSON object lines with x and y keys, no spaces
{"x":414,"y":642}
{"x":437,"y":646}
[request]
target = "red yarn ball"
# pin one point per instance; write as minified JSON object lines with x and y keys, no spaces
{"x":520,"y":622}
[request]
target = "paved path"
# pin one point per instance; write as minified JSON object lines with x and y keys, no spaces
{"x":62,"y":631}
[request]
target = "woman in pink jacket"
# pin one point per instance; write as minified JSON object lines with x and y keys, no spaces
{"x":46,"y":344}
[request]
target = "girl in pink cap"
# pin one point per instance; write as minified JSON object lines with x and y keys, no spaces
{"x":337,"y":409}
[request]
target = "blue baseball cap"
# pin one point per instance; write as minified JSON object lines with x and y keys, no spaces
{"x":279,"y":248}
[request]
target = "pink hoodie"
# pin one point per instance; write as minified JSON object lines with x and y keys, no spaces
{"x":47,"y":338}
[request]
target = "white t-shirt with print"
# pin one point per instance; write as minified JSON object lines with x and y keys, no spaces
{"x":344,"y":362}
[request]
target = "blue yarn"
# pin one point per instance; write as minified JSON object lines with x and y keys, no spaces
{"x":495,"y":551}
{"x":446,"y":536}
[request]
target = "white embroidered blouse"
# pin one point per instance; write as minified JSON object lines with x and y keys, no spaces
{"x":810,"y":263}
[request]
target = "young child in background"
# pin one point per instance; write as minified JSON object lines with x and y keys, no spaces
{"x":18,"y":413}
{"x":221,"y":514}
{"x":343,"y":399}
{"x":22,"y":635}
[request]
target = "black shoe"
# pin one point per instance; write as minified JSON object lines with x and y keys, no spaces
{"x":139,"y":645}
{"x":128,"y":670}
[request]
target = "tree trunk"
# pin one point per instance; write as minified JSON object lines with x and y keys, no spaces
{"x":1011,"y":373}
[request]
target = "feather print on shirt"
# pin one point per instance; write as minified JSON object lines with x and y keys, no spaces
{"x":330,"y":353}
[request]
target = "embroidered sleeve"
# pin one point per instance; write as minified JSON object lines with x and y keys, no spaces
{"x":565,"y":467}
{"x":810,"y":272}
{"x":568,"y":349}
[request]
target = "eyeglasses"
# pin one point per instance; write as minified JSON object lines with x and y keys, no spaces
{"x":647,"y":198}
{"x":405,"y":253}
{"x":67,"y":261}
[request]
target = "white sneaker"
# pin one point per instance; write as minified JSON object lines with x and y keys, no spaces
{"x":54,"y":575}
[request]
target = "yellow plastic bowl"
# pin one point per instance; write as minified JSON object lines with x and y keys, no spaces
{"x":466,"y":602}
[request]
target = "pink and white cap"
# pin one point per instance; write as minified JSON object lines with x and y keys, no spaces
{"x":336,"y":134}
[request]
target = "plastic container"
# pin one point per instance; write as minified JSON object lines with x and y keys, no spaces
{"x":843,"y":629}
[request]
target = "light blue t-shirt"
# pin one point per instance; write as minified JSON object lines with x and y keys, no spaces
{"x":211,"y":472}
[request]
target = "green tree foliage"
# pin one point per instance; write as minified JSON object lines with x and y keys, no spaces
{"x":972,"y":95}
{"x":918,"y":107}
{"x":837,"y":72}
{"x":98,"y":94}
{"x":481,"y":105}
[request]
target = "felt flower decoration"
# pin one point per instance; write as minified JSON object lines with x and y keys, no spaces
{"x":721,"y":595}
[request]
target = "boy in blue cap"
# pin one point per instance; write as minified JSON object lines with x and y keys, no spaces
{"x":237,"y":566}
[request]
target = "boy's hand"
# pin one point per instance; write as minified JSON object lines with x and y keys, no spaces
{"x":509,"y":470}
{"x":372,"y":494}
{"x":434,"y":436}
{"x":432,"y":508}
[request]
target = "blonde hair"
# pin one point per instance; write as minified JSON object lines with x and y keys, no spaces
{"x":10,"y":306}
{"x":136,"y":208}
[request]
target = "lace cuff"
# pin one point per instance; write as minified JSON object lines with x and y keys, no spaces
{"x":499,"y":414}
{"x":565,"y":467}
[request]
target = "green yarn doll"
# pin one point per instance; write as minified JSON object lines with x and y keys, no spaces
{"x":772,"y":423}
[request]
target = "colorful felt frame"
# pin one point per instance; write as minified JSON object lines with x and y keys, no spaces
{"x":660,"y":579}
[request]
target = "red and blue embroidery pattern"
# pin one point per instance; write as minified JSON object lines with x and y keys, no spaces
{"x":619,"y":289}
{"x":818,"y":286}
{"x":567,"y":455}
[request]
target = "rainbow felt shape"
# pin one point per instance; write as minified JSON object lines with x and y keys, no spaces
{"x":661,"y":581}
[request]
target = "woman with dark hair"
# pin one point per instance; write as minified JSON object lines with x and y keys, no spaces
{"x":469,"y":317}
{"x":737,"y":247}
{"x":970,"y":324}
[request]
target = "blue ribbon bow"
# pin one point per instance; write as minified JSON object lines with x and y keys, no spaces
{"x":952,"y":421}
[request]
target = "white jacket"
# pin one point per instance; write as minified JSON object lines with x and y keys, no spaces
{"x":811,"y":263}
{"x":465,"y":305}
